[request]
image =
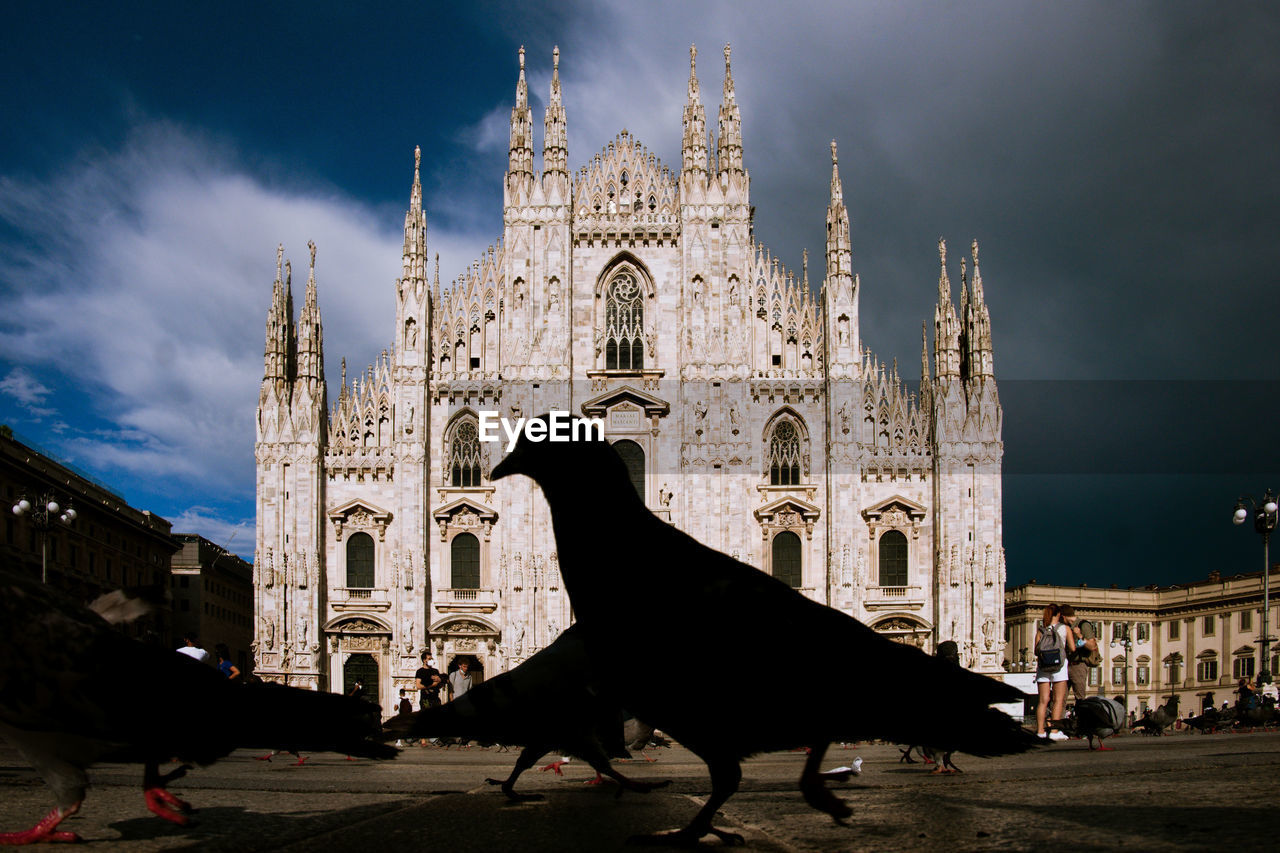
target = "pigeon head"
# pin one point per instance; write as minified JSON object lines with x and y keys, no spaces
{"x":551,"y":447}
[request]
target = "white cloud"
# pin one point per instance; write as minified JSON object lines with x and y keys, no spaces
{"x":238,"y":537}
{"x":27,"y":390}
{"x":145,"y":275}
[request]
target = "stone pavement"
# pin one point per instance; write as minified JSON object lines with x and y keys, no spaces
{"x":1178,"y":792}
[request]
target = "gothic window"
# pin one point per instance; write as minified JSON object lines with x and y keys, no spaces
{"x":786,"y":558}
{"x":784,"y":455}
{"x":633,"y":457}
{"x":360,"y":561}
{"x":464,"y":460}
{"x":464,"y":562}
{"x":893,"y":559}
{"x":624,"y":323}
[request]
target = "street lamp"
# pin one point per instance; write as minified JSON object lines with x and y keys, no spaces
{"x":43,"y":514}
{"x":1264,"y":521}
{"x":1126,"y":643}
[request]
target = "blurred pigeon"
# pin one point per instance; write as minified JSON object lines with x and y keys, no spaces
{"x":74,"y":691}
{"x":704,"y":628}
{"x":1097,"y":716}
{"x":549,"y":702}
{"x":1155,"y":722}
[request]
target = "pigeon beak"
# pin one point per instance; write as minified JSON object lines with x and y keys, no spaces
{"x":508,"y":466}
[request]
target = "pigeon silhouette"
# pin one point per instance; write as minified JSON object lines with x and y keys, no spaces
{"x":548,"y":702}
{"x":724,"y":637}
{"x":1097,"y":716}
{"x":74,"y":690}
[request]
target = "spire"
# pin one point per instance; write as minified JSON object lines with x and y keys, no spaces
{"x":415,"y":227}
{"x":555,"y":156}
{"x":730,"y":146}
{"x":310,"y":330}
{"x":839,"y":251}
{"x":946,"y":338}
{"x":693,"y":157}
{"x":520,"y":155}
{"x":805,"y":267}
{"x":275,"y":368}
{"x":924,"y":358}
{"x":978,"y":327}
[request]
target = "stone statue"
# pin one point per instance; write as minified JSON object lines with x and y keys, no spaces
{"x":734,"y":417}
{"x":406,"y":629}
{"x":518,"y":644}
{"x":665,"y":495}
{"x":268,"y":633}
{"x":302,"y":633}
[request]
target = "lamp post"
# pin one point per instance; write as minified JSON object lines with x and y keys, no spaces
{"x":43,"y":514}
{"x":1264,"y":521}
{"x":1126,"y":643}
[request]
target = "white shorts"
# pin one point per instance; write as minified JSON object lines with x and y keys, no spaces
{"x":1052,"y":677}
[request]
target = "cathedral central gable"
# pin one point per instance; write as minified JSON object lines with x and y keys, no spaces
{"x":625,"y":179}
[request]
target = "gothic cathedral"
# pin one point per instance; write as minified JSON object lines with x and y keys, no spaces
{"x":743,"y":402}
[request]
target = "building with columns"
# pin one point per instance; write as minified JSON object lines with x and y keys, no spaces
{"x":1195,"y":639}
{"x":741,"y":397}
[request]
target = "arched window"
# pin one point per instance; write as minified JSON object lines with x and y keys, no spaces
{"x":464,"y":460}
{"x":633,"y":457}
{"x":893,"y":559}
{"x":784,"y":455}
{"x":464,"y":562}
{"x":624,"y":323}
{"x":360,"y":561}
{"x":786,"y":558}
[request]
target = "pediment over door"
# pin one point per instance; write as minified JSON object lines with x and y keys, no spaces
{"x":786,"y":513}
{"x":896,"y":512}
{"x":359,"y":515}
{"x":464,"y":514}
{"x":626,"y":408}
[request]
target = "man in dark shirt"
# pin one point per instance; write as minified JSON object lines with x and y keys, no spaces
{"x":428,"y":683}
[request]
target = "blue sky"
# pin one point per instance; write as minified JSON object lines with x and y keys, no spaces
{"x":1118,"y":163}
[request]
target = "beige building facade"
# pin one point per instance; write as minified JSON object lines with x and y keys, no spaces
{"x":1195,"y":639}
{"x":741,"y":397}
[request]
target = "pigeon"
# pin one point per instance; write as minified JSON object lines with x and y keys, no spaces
{"x":1097,"y":716}
{"x":75,"y":690}
{"x":1155,"y":722}
{"x":548,"y":702}
{"x":704,"y":628}
{"x":1208,"y":721}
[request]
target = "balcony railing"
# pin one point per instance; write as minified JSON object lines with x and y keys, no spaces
{"x":895,"y":596}
{"x":479,"y":600}
{"x":360,"y":598}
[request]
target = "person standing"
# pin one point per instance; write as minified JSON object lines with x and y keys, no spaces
{"x":193,"y":651}
{"x":1081,"y":650}
{"x":460,"y":680}
{"x":1052,"y":637}
{"x":428,"y":683}
{"x":229,"y":670}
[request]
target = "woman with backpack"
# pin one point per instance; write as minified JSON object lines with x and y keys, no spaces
{"x":1051,"y":670}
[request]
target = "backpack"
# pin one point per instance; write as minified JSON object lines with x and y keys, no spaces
{"x":1086,"y":656}
{"x":1049,"y":650}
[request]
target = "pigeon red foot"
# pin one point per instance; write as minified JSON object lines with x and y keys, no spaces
{"x":555,"y":766}
{"x":45,"y":830}
{"x":163,"y":804}
{"x":599,"y":780}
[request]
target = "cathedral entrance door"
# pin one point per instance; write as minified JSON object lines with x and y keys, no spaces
{"x":362,"y":668}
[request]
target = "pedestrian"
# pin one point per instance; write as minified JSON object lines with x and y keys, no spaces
{"x":229,"y":670}
{"x":404,"y":706}
{"x":459,"y":684}
{"x":357,"y":690}
{"x":192,"y":650}
{"x":1051,"y":671}
{"x":427,"y":680}
{"x":460,"y":680}
{"x":1082,"y":649}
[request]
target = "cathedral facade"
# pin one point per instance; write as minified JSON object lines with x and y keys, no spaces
{"x":748,"y":412}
